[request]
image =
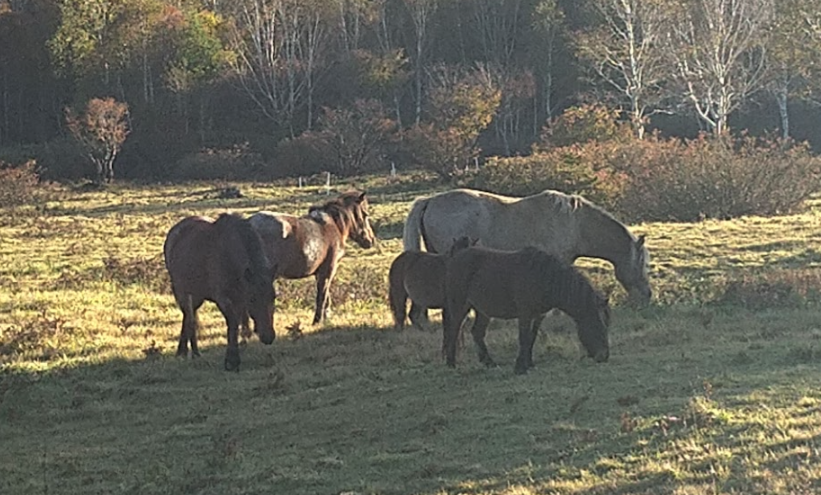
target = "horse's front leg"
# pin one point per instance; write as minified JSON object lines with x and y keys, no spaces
{"x":479,"y":330}
{"x":452,"y":322}
{"x":233,"y":314}
{"x":526,"y":339}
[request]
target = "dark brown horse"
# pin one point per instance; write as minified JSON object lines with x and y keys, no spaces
{"x":314,"y":243}
{"x":220,"y":261}
{"x":421,"y":276}
{"x":523,"y":284}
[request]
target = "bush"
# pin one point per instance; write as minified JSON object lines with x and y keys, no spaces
{"x":17,"y":183}
{"x":583,"y":124}
{"x":307,"y":154}
{"x":59,"y":159}
{"x":709,"y":178}
{"x":562,"y":169}
{"x":358,"y":137}
{"x":237,"y":163}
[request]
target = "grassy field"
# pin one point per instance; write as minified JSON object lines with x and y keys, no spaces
{"x":713,"y":389}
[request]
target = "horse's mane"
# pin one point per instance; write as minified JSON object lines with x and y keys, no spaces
{"x":249,"y":238}
{"x":339,"y":209}
{"x":573,"y":203}
{"x":568,"y":285}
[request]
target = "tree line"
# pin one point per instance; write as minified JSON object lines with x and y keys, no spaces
{"x":360,"y":83}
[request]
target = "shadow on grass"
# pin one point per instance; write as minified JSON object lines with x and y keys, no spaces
{"x":355,"y":409}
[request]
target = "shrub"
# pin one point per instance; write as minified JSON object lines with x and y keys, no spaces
{"x":461,"y":104}
{"x":579,"y":169}
{"x":237,"y":163}
{"x":17,"y":183}
{"x":716,"y":178}
{"x":58,"y":159}
{"x":101,"y":129}
{"x":358,"y":137}
{"x":304,"y":155}
{"x":583,"y":124}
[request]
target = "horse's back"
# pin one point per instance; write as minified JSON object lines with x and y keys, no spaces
{"x":187,"y":246}
{"x":499,"y":284}
{"x":501,"y":222}
{"x":295,"y":244}
{"x":422,"y":275}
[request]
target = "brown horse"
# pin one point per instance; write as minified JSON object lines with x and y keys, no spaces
{"x":420,"y":276}
{"x":313,"y":244}
{"x":220,"y":261}
{"x":523,"y":284}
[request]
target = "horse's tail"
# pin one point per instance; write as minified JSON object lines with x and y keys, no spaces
{"x":397,"y":295}
{"x":414,"y":231}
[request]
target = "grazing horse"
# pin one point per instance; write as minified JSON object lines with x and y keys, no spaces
{"x":523,"y":284}
{"x":420,"y":276}
{"x":220,"y":261}
{"x":566,"y":226}
{"x":314,"y":243}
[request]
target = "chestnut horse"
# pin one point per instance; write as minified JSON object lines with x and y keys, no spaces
{"x":420,"y":276}
{"x":220,"y":261}
{"x":566,"y":226}
{"x":314,"y":243}
{"x":523,"y":284}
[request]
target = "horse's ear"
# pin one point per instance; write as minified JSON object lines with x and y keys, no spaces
{"x":361,"y":197}
{"x":640,"y":241}
{"x":472,"y":241}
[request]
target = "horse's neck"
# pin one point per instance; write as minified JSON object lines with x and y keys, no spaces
{"x":603,"y":237}
{"x":337,"y":227}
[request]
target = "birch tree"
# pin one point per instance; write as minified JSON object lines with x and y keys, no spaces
{"x":626,"y":54}
{"x":718,"y":47}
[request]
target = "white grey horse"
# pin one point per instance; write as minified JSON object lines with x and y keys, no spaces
{"x":566,"y":226}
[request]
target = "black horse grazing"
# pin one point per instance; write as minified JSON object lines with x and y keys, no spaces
{"x":221,"y":261}
{"x":523,"y":284}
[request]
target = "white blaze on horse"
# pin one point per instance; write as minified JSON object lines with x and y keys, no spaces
{"x":565,"y":226}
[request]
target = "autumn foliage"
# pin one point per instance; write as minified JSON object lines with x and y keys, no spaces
{"x":101,"y":129}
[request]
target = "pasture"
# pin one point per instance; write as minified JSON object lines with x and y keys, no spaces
{"x":712,"y":389}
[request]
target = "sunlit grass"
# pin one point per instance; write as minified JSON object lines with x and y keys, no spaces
{"x":714,"y":389}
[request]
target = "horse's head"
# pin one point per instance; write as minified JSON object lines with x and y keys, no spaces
{"x":634,"y":275}
{"x":261,"y":302}
{"x":594,"y":330}
{"x":361,"y":231}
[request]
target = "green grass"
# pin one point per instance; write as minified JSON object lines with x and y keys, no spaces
{"x":714,"y":389}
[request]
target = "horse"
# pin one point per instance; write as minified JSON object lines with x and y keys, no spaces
{"x":566,"y":226}
{"x":523,"y":284}
{"x":221,"y":261}
{"x":420,"y":276}
{"x":313,"y":244}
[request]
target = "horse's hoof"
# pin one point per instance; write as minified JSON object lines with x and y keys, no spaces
{"x":520,"y":370}
{"x":183,"y":353}
{"x":195,"y":354}
{"x":489,"y":363}
{"x":232,"y":360}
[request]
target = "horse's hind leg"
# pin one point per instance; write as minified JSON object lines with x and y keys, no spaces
{"x":190,"y":322}
{"x":526,"y":339}
{"x":398,"y":300}
{"x":479,"y":330}
{"x":419,"y":315}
